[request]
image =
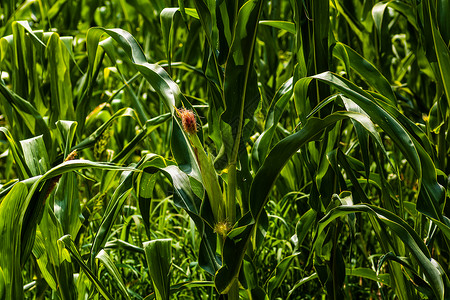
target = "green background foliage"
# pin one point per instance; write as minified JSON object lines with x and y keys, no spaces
{"x":320,"y":165}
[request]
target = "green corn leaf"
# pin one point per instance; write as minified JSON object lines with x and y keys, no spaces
{"x":301,"y":282}
{"x":405,"y":262}
{"x":441,"y":48}
{"x":401,"y":229}
{"x":42,"y":259}
{"x":240,"y":87}
{"x":112,"y":269}
{"x":61,"y":99}
{"x":158,"y":78}
{"x":367,"y":71}
{"x":70,"y":246}
{"x":12,"y":210}
{"x":16,"y":151}
{"x":277,"y":107}
{"x":26,"y":26}
{"x":237,"y":240}
{"x":112,"y":210}
{"x":36,"y":197}
{"x":66,"y":200}
{"x":304,"y":225}
{"x":2,"y":285}
{"x":26,"y":113}
{"x":169,"y":21}
{"x":284,"y":25}
{"x":159,"y":259}
{"x":278,"y":275}
{"x":185,"y":285}
{"x":411,"y":149}
{"x":35,"y":155}
{"x":50,"y":229}
{"x":369,"y":274}
{"x":185,"y":198}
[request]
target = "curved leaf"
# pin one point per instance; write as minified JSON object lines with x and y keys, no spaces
{"x":403,"y":231}
{"x":420,"y":161}
{"x":70,"y":246}
{"x":237,"y":240}
{"x":112,"y":269}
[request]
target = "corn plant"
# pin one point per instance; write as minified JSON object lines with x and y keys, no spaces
{"x":224,"y":149}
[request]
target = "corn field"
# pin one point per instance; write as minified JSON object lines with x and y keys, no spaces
{"x":201,"y":149}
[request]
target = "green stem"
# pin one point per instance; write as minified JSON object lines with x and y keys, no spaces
{"x":233,"y":293}
{"x":231,"y":194}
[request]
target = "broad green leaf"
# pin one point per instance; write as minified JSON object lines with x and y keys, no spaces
{"x":145,"y":184}
{"x":411,"y":149}
{"x":185,"y":285}
{"x":112,"y":211}
{"x":301,"y":282}
{"x":237,"y":239}
{"x":159,"y":259}
{"x":50,"y":230}
{"x":369,"y":274}
{"x":2,"y":284}
{"x":16,"y":151}
{"x":302,"y":106}
{"x":379,"y":116}
{"x":250,"y":273}
{"x":169,"y":21}
{"x":70,"y":246}
{"x":42,"y":259}
{"x":191,"y":12}
{"x":61,"y":99}
{"x":12,"y":210}
{"x":277,"y":277}
{"x":442,"y":9}
{"x":210,"y":179}
{"x":35,"y":155}
{"x":155,"y":74}
{"x":119,"y":244}
{"x":402,"y":230}
{"x":30,"y":31}
{"x":304,"y":225}
{"x":66,"y":200}
{"x":39,"y":191}
{"x":158,"y":78}
{"x":109,"y":264}
{"x":288,"y":26}
{"x":287,"y":147}
{"x":442,"y":50}
{"x":26,"y":113}
{"x":356,"y":27}
{"x":277,"y":107}
{"x":241,"y":92}
{"x":405,"y":262}
{"x":185,"y":198}
{"x":367,"y":71}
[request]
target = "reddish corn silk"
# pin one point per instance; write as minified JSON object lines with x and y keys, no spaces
{"x":188,"y":120}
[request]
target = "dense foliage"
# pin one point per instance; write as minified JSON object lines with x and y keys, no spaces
{"x":200,"y":149}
